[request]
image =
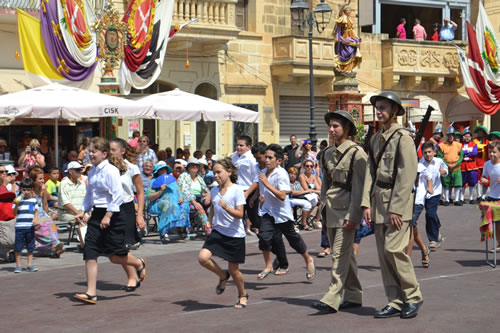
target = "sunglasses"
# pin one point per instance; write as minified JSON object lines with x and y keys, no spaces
{"x":3,"y":171}
{"x":308,"y":166}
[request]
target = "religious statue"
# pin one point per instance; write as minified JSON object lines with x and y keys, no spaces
{"x":347,"y":54}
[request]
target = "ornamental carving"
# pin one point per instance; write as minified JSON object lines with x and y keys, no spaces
{"x":407,"y":58}
{"x":430,"y":58}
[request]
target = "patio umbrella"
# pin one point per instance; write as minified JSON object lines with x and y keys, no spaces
{"x":180,"y":105}
{"x":56,"y":101}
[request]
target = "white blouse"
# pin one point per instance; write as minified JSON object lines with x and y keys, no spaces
{"x":128,"y":183}
{"x":104,"y":189}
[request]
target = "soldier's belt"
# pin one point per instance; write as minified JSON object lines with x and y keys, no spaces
{"x":384,"y":185}
{"x":343,"y":186}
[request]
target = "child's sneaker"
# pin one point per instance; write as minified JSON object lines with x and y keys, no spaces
{"x":18,"y":269}
{"x":32,"y":269}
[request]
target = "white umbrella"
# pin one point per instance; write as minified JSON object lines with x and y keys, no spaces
{"x":56,"y":101}
{"x":180,"y":105}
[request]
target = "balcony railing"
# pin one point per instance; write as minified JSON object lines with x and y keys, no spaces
{"x":291,"y":56}
{"x":218,"y":12}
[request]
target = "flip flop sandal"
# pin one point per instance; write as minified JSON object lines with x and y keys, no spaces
{"x":323,"y":254}
{"x":144,"y":265}
{"x":311,"y":274}
{"x":262,"y":275}
{"x":493,"y":250}
{"x":219,"y":290}
{"x":427,"y":262}
{"x":281,"y":271}
{"x":87,"y":299}
{"x":243,"y":306}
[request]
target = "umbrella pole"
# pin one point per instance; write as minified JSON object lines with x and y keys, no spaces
{"x":56,"y":138}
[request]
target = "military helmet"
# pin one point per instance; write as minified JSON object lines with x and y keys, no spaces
{"x":342,"y":114}
{"x":391,"y":96}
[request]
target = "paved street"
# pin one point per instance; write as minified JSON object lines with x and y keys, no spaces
{"x":460,"y":291}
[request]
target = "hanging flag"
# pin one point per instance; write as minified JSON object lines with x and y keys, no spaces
{"x":36,"y":61}
{"x":139,"y":17}
{"x":480,"y":67}
{"x":75,"y":17}
{"x":150,"y":69}
{"x":55,"y":45}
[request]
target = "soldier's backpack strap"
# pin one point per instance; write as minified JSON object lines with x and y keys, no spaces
{"x":348,"y":185}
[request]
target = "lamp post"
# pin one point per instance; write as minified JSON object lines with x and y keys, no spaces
{"x":320,"y":17}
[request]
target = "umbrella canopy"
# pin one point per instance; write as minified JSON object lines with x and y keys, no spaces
{"x":180,"y":105}
{"x":58,"y":101}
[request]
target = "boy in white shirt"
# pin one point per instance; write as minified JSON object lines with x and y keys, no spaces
{"x":434,"y":167}
{"x":276,"y":209}
{"x":245,"y":163}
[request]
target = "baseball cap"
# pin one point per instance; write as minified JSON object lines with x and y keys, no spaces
{"x":74,"y":165}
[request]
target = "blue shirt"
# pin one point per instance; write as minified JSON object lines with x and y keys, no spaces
{"x":26,"y":213}
{"x":447,"y":33}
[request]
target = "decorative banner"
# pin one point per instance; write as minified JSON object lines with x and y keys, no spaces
{"x":59,"y":54}
{"x":151,"y":67}
{"x":479,"y":68}
{"x":80,"y":41}
{"x":139,"y":17}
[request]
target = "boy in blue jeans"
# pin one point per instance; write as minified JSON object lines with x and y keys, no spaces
{"x":26,"y":212}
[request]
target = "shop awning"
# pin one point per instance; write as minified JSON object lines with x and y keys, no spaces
{"x":417,"y":114}
{"x":460,"y":108}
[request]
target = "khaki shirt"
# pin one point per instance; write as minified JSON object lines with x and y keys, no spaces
{"x":399,"y":199}
{"x":341,"y":204}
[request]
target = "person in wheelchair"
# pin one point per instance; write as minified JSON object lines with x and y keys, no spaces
{"x":168,"y":202}
{"x":301,"y":197}
{"x":195,"y":192}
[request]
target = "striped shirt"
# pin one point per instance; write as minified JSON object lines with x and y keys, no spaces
{"x":26,"y":213}
{"x":71,"y":193}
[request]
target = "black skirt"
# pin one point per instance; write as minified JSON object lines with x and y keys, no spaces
{"x":131,"y":234}
{"x":231,"y":249}
{"x":105,"y":242}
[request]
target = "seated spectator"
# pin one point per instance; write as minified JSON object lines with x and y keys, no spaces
{"x":179,"y":153}
{"x":47,"y":152}
{"x":3,"y":176}
{"x":135,"y":139}
{"x":207,"y":173}
{"x":70,"y":197}
{"x":209,"y":154}
{"x":46,"y":235}
{"x":52,"y":185}
{"x":162,"y":155}
{"x":311,"y":182}
{"x":195,"y":192}
{"x":147,"y":174}
{"x":12,"y":185}
{"x":198,"y":154}
{"x":447,"y":32}
{"x":31,"y":157}
{"x":72,"y":156}
{"x":168,"y":203}
{"x":179,"y":167}
{"x":83,"y":151}
{"x":4,"y":148}
{"x":186,"y":154}
{"x":144,"y":152}
{"x":6,"y":197}
{"x":169,"y":158}
{"x":298,"y":198}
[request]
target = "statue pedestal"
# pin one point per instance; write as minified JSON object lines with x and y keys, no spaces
{"x":346,"y":95}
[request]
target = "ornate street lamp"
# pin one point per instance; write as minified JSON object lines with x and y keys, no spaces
{"x":319,"y":17}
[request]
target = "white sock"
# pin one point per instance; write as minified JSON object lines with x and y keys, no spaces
{"x":478,"y":190}
{"x":484,"y":189}
{"x":462,"y":193}
{"x":447,"y":194}
{"x":456,"y":190}
{"x":471,"y":193}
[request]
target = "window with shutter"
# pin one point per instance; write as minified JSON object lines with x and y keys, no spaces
{"x":242,"y":14}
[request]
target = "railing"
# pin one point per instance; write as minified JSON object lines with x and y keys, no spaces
{"x":216,"y":12}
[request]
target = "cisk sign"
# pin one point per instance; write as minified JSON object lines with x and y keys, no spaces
{"x":111,"y":111}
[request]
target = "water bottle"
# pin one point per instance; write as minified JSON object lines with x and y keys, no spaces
{"x":19,"y":198}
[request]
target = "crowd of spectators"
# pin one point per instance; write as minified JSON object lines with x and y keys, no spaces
{"x":445,"y":32}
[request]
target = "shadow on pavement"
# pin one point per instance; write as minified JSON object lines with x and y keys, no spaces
{"x":466,"y":250}
{"x":100,"y":298}
{"x":290,"y":300}
{"x":369,"y":268}
{"x":102,"y":285}
{"x":472,"y":263}
{"x":191,"y":305}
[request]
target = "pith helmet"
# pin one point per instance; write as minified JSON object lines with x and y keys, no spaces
{"x":391,"y":96}
{"x":342,"y":114}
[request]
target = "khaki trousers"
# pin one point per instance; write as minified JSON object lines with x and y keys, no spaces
{"x":398,"y":276}
{"x":345,"y":280}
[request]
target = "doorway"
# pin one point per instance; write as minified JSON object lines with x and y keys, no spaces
{"x":205,"y":130}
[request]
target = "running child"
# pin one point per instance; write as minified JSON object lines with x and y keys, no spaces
{"x":227,"y":239}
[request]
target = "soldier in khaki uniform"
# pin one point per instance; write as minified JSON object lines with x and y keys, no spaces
{"x":344,"y":169}
{"x":388,"y":202}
